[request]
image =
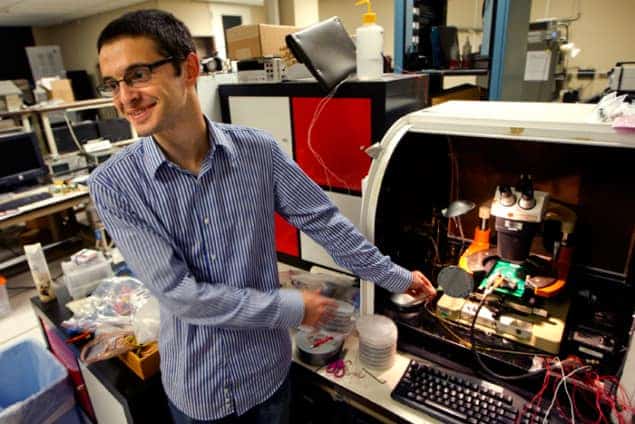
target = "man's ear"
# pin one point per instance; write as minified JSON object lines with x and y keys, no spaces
{"x":191,"y":68}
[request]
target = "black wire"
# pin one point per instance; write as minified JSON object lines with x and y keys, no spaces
{"x":482,"y":364}
{"x":484,"y":347}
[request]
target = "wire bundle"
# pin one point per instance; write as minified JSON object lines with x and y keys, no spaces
{"x":599,"y":394}
{"x":318,"y":111}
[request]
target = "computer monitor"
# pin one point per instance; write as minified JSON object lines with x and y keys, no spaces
{"x":117,"y":129}
{"x":21,"y":161}
{"x":83,"y":130}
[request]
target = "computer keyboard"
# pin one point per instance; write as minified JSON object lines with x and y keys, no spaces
{"x":23,"y":201}
{"x":458,"y":398}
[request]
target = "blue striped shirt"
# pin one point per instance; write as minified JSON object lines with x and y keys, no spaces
{"x":204,"y":246}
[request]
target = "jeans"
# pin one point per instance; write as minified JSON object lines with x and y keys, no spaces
{"x":274,"y":410}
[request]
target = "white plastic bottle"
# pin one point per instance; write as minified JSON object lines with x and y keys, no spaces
{"x":370,"y":45}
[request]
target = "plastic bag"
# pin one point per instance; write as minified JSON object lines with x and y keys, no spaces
{"x":146,"y":322}
{"x":108,"y":345}
{"x":114,"y":302}
{"x":611,"y":107}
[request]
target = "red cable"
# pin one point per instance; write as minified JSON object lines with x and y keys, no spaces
{"x":538,"y":395}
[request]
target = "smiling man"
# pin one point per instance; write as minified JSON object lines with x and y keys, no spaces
{"x":191,"y":206}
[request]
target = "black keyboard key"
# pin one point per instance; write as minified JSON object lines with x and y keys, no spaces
{"x":507,"y":414}
{"x":23,"y":201}
{"x":445,"y":409}
{"x":456,"y":399}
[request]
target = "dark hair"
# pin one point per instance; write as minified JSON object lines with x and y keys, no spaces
{"x":170,"y":35}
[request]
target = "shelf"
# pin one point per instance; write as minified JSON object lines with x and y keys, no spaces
{"x":452,"y":72}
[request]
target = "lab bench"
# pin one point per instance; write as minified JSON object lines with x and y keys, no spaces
{"x":109,"y":392}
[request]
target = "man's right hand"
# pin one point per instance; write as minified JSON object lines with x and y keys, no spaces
{"x":317,"y":308}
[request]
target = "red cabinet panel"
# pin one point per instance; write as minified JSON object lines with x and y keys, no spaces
{"x":287,"y":237}
{"x":336,"y":156}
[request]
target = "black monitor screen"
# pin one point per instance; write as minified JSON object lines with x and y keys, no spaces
{"x":84,"y":131}
{"x":20,"y":159}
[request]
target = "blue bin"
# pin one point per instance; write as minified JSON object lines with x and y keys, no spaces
{"x":34,"y":387}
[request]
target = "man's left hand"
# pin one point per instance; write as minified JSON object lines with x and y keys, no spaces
{"x":421,"y":286}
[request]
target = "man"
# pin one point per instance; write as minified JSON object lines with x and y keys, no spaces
{"x":191,"y":207}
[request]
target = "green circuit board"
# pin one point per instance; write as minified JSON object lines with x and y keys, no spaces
{"x":509,"y":272}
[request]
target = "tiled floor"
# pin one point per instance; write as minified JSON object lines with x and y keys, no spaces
{"x":21,"y":323}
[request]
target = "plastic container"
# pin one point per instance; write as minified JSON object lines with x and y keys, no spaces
{"x":317,"y":348}
{"x":40,"y":272}
{"x":34,"y":387}
{"x":81,"y":279}
{"x":377,"y":341}
{"x":342,"y":320}
{"x":369,"y":46}
{"x":5,"y":306}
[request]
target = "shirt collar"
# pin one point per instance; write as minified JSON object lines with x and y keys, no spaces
{"x":154,"y":157}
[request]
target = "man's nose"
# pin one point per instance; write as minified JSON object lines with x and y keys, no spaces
{"x":127,"y":95}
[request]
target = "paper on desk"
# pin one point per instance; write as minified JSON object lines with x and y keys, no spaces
{"x":47,"y":82}
{"x":537,"y":65}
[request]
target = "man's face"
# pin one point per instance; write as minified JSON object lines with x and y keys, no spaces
{"x":153,"y":106}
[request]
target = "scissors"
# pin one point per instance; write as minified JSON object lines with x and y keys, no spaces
{"x":337,"y":368}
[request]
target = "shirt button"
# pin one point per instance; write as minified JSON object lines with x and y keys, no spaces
{"x":213,"y":257}
{"x":206,"y":220}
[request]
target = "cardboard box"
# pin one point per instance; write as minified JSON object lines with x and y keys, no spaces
{"x":13,"y":102}
{"x":259,"y":40}
{"x":146,"y":363}
{"x":10,"y":96}
{"x":61,"y":89}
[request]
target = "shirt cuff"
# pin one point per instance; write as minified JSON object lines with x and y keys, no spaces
{"x":291,"y":308}
{"x":398,"y":280}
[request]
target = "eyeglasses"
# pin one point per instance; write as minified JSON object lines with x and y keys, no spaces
{"x":134,"y":77}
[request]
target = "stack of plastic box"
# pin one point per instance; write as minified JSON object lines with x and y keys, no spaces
{"x":377,"y":341}
{"x":82,"y":278}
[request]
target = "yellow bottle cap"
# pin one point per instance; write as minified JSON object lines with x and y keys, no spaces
{"x":369,"y":18}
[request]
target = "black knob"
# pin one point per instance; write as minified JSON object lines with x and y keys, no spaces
{"x":527,"y":200}
{"x":507,"y":197}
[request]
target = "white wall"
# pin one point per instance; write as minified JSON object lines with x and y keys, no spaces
{"x":300,"y":13}
{"x":287,"y":12}
{"x":351,"y":16}
{"x":605,"y":33}
{"x":78,"y":39}
{"x":195,"y":15}
{"x":306,"y":12}
{"x":249,"y":14}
